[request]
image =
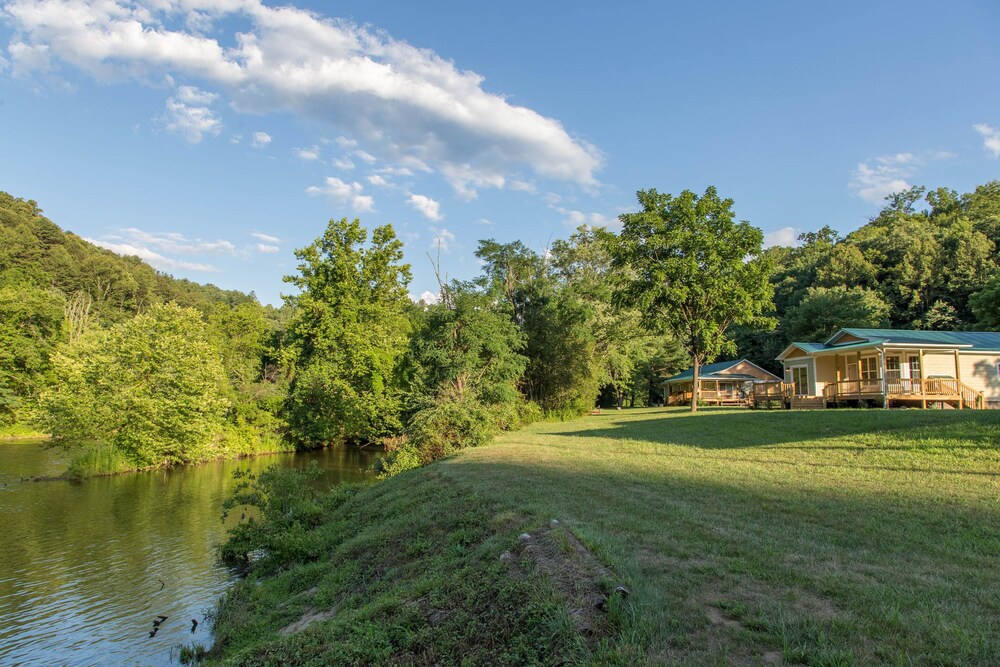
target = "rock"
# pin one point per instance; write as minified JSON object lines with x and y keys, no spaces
{"x":524,"y":537}
{"x":506,"y":557}
{"x":600,"y":602}
{"x":555,"y":522}
{"x":621,"y":590}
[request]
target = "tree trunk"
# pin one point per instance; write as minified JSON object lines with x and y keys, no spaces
{"x":695,"y":389}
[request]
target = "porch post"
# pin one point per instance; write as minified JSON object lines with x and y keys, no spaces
{"x":958,"y":380}
{"x":858,"y":354}
{"x":836,"y":387}
{"x":885,"y":380}
{"x":923,"y":386}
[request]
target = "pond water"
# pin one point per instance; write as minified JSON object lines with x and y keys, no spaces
{"x":85,"y":567}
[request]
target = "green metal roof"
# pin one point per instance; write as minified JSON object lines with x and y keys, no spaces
{"x":707,"y":370}
{"x":975,"y":340}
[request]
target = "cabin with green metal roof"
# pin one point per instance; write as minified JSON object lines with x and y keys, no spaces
{"x":894,"y":367}
{"x":720,"y":383}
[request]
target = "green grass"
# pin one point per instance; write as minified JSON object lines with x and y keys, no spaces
{"x":839,"y":537}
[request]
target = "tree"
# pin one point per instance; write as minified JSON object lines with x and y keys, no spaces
{"x":693,"y":271}
{"x":824,"y":310}
{"x":348,"y":334}
{"x":151,"y":387}
{"x":986,"y":305}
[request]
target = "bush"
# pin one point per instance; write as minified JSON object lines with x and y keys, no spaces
{"x":448,"y":424}
{"x":284,"y":507}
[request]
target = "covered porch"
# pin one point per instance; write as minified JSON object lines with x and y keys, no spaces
{"x":877,"y":373}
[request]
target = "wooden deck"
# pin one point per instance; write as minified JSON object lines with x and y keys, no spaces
{"x":946,"y":392}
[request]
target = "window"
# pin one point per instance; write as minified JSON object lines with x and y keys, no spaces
{"x":892,"y":367}
{"x":869,"y":368}
{"x":800,"y":378}
{"x":914,"y":367}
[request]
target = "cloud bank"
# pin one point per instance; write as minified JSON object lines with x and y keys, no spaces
{"x":399,"y":103}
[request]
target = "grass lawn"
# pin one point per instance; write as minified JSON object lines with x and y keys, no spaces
{"x":838,"y":537}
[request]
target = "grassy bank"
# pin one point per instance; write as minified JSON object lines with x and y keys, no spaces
{"x":817,"y":538}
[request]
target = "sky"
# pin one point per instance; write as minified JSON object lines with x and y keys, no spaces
{"x":214,"y":137}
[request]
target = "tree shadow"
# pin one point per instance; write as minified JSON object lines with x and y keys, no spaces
{"x":774,"y":428}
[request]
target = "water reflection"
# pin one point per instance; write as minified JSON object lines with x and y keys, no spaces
{"x":85,"y":567}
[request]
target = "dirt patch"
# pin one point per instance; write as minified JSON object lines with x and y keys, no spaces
{"x":311,"y":616}
{"x":717,"y":617}
{"x":585,"y":583}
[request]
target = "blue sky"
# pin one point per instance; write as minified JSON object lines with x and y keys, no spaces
{"x":213,"y":137}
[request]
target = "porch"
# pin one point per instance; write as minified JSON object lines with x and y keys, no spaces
{"x":946,"y":392}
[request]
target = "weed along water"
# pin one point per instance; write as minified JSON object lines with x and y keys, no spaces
{"x":87,"y":567}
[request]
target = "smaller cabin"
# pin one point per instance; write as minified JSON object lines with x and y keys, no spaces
{"x":721,"y":383}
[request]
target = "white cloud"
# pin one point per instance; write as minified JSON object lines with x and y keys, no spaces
{"x":153,"y":258}
{"x":267,"y":238}
{"x":188,"y":117}
{"x":786,"y":236}
{"x":343,"y":192}
{"x":344,"y":164}
{"x":173,"y":242}
{"x":574,"y":219}
{"x":366,"y":157}
{"x":991,"y":138}
{"x":307,"y":153}
{"x":426,"y":206}
{"x":443,"y":238}
{"x":429,"y":297}
{"x":265,"y":248}
{"x":379,"y":180}
{"x":402,"y":103}
{"x":875,"y":179}
{"x":261,"y":139}
{"x":344,"y":142}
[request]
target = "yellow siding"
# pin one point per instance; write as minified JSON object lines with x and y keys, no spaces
{"x":979,"y":371}
{"x":826,"y":372}
{"x":797,"y":352}
{"x":939,"y":364}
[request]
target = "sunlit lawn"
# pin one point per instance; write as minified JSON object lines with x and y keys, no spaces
{"x":831,"y":537}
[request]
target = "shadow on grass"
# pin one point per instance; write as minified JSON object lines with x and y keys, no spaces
{"x":815,"y":571}
{"x":731,"y":429}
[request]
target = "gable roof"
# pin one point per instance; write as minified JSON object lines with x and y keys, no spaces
{"x":962,"y":340}
{"x":717,"y":371}
{"x":974,"y":340}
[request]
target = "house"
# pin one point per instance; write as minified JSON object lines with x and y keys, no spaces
{"x":895,"y":367}
{"x":721,"y":383}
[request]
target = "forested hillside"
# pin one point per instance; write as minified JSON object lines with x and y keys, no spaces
{"x":928,"y":260}
{"x":67,"y":305}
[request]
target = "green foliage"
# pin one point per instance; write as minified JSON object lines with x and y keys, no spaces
{"x":930,"y":265}
{"x":985,"y":304}
{"x":151,"y":387}
{"x":347,"y":336}
{"x":824,"y":310}
{"x":54,"y":286}
{"x":461,"y":346}
{"x":693,"y":271}
{"x":284,"y":506}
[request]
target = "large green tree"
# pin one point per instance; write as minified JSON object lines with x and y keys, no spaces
{"x":151,"y":387}
{"x":693,"y":271}
{"x":347,"y":336}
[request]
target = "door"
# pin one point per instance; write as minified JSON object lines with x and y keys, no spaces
{"x":800,"y":380}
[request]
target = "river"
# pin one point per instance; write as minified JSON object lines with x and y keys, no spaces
{"x":85,"y":567}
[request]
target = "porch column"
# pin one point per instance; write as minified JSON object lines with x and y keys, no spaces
{"x":858,"y":355}
{"x":885,"y":380}
{"x":923,"y":386}
{"x":958,"y":380}
{"x":836,"y":387}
